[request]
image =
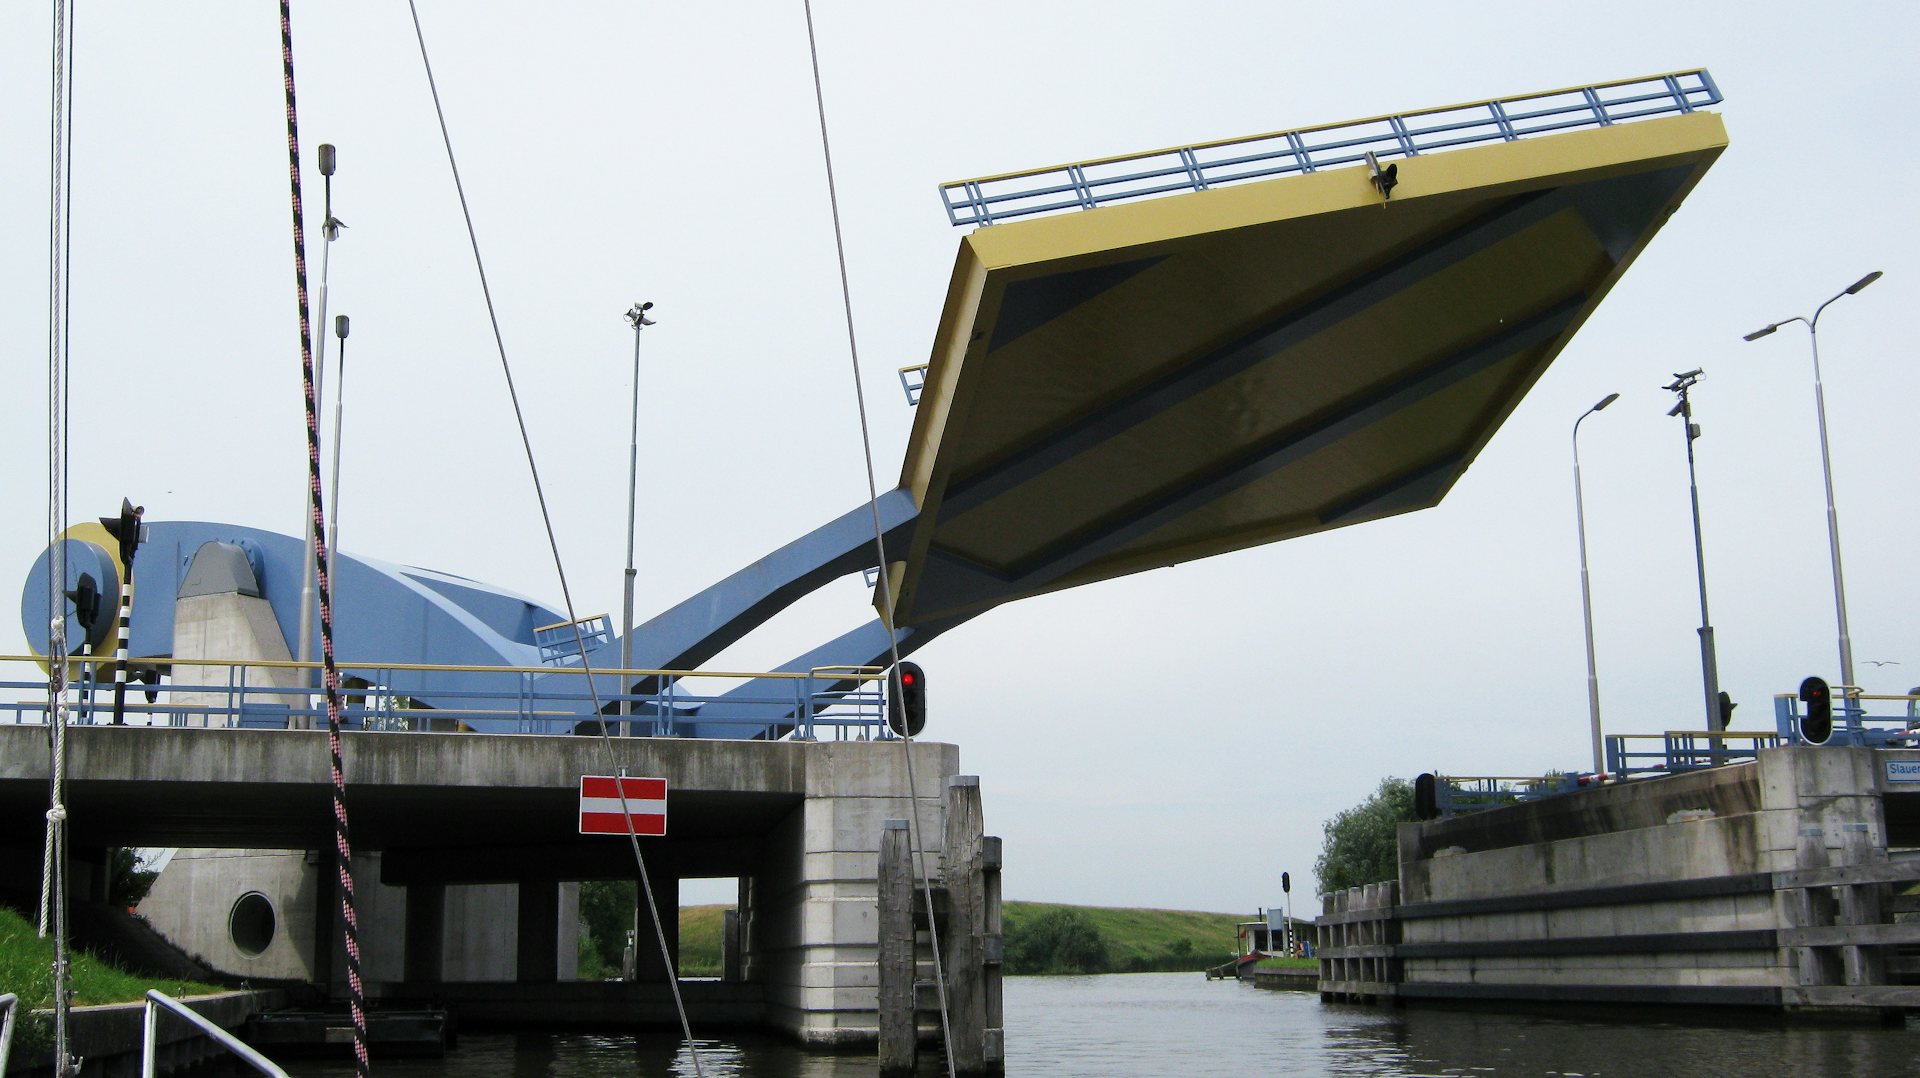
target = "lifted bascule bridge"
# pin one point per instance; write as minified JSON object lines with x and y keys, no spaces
{"x":1142,"y":361}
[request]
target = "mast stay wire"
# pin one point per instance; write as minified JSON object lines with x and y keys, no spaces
{"x":883,"y":582}
{"x":553,"y":545}
{"x":53,"y":871}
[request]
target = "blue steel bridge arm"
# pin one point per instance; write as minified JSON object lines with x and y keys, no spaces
{"x":774,"y":703}
{"x":700,"y":627}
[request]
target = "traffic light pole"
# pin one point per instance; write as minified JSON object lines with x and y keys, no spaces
{"x":125,"y":528}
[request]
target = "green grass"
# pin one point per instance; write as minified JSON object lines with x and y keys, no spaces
{"x":1287,"y":963}
{"x":26,"y":969}
{"x":1139,"y":940}
{"x":700,"y":940}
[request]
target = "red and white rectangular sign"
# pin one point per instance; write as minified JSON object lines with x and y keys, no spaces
{"x":601,"y":812}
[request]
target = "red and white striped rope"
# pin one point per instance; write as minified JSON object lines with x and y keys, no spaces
{"x":343,"y":849}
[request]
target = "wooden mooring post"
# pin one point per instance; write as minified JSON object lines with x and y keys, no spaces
{"x":966,"y":900}
{"x":972,"y":935}
{"x":899,"y":1025}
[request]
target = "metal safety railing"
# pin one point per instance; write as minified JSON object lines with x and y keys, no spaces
{"x":1455,"y":794}
{"x":1849,"y":722}
{"x":149,"y":1051}
{"x":1200,"y":166}
{"x":837,"y":702}
{"x":9,"y":1003}
{"x":1642,"y":755}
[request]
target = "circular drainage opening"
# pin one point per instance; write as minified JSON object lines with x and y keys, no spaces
{"x":251,"y":923}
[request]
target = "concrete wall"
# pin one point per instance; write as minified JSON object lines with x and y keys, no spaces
{"x":815,"y":944}
{"x":192,"y":901}
{"x":227,"y":626}
{"x":1620,"y":890}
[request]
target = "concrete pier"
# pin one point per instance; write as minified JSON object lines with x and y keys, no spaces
{"x":1765,"y":884}
{"x":467,"y":853}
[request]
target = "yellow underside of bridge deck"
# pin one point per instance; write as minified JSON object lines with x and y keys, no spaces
{"x":1153,"y":382}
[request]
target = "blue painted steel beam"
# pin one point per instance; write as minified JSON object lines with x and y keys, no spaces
{"x":700,"y":627}
{"x":1292,"y":328}
{"x":758,"y":700}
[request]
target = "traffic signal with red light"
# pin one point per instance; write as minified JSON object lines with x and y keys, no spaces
{"x":1816,"y":726}
{"x":907,"y":699}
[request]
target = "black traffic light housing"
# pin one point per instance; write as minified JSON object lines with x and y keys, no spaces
{"x":126,"y":529}
{"x":1286,"y":884}
{"x":907,"y":699}
{"x":1816,"y":726}
{"x":1426,"y":796}
{"x":85,"y":596}
{"x":1726,"y":710}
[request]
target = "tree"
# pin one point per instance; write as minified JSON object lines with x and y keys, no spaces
{"x":1361,"y":844}
{"x":1057,"y":941}
{"x":606,"y":914}
{"x":128,"y":877}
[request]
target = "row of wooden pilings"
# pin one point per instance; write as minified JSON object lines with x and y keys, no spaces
{"x":965,"y":901}
{"x":1356,"y":937}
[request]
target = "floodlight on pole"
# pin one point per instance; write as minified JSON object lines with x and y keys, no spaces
{"x":1826,"y":464}
{"x":1586,"y":593}
{"x":637,"y":318}
{"x":1709,"y":663}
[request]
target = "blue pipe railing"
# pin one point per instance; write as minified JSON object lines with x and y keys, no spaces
{"x":1198,"y":167}
{"x":841,"y":703}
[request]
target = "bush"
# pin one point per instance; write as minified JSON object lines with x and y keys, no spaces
{"x":1058,"y":941}
{"x":1362,"y":844}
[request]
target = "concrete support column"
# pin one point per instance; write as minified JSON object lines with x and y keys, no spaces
{"x":538,"y":952}
{"x":814,"y":932}
{"x":326,"y":905}
{"x":649,"y":966}
{"x":749,"y":947}
{"x":426,"y":932}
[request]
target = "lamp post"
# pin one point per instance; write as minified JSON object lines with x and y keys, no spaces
{"x":1826,"y":464}
{"x":330,"y":227}
{"x":1586,"y":593}
{"x":637,"y":318}
{"x":341,"y":326}
{"x":1709,"y":665}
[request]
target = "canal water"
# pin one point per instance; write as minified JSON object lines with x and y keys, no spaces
{"x":1179,"y":1025}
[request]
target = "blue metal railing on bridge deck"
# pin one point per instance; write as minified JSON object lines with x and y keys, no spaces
{"x":1201,"y":166}
{"x":842,"y":703}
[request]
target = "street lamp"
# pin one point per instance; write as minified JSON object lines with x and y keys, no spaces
{"x":1586,"y":593}
{"x":1709,"y":666}
{"x":330,"y":227}
{"x":636,"y":317}
{"x":1826,"y":465}
{"x":341,"y":326}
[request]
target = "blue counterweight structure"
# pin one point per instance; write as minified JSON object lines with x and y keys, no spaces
{"x":393,"y":616}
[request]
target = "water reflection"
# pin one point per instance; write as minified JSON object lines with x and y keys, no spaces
{"x":1153,"y":1025}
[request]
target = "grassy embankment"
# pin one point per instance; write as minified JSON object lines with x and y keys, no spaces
{"x":26,"y":969}
{"x":1132,"y":940}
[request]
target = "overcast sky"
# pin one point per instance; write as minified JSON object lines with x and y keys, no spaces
{"x":1172,"y":739}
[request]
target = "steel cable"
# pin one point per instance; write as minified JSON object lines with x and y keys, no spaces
{"x":879,"y":542}
{"x":553,"y":545}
